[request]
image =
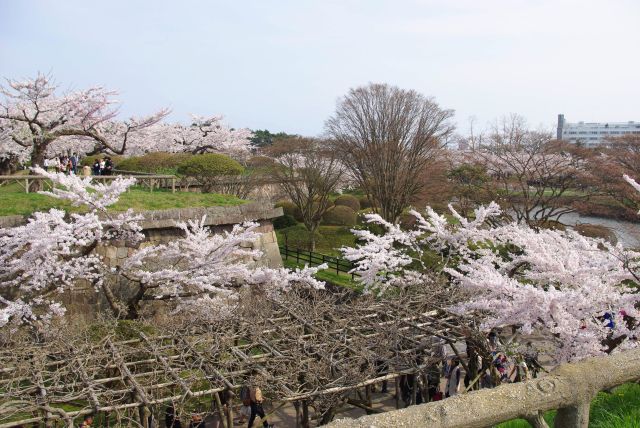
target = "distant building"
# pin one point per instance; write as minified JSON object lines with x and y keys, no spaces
{"x":593,"y":133}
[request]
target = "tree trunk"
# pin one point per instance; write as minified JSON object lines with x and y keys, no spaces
{"x":37,"y":159}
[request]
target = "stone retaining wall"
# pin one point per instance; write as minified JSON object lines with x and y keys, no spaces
{"x":159,"y":227}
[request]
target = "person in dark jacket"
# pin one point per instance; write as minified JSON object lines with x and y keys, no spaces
{"x":171,"y":419}
{"x":96,"y":167}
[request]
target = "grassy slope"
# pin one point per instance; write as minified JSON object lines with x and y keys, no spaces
{"x":621,"y":409}
{"x":331,"y":238}
{"x":15,"y":202}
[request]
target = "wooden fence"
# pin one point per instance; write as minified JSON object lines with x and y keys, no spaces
{"x":149,"y":181}
{"x":336,"y":264}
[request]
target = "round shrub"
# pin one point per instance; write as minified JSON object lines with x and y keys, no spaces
{"x":407,"y":221}
{"x":364,"y":202}
{"x":284,"y":221}
{"x":289,"y":208}
{"x":348,"y":201}
{"x":207,"y":168}
{"x":339,"y":216}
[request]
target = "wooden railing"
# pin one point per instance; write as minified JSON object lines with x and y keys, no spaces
{"x":149,"y":181}
{"x":570,"y":388}
{"x":336,"y":264}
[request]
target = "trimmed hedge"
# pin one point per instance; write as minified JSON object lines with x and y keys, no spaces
{"x":339,"y":215}
{"x":284,"y":222}
{"x":364,"y":203}
{"x":155,"y":163}
{"x":407,"y":221}
{"x":289,"y":208}
{"x":208,"y":167}
{"x":348,"y":201}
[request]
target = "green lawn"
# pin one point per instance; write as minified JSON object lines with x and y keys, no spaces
{"x":329,"y":241}
{"x":339,"y":279}
{"x":620,"y":409}
{"x":16,"y":202}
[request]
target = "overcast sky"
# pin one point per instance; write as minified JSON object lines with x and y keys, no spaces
{"x":282,"y":65}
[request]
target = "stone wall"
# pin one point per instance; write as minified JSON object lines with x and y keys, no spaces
{"x":161,"y":227}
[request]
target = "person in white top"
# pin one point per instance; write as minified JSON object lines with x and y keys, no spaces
{"x":453,"y":379}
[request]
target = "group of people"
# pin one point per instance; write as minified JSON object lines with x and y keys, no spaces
{"x":63,"y":163}
{"x":71,"y":165}
{"x":450,"y":377}
{"x":102,"y":166}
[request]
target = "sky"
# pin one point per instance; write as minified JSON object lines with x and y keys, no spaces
{"x":282,"y":65}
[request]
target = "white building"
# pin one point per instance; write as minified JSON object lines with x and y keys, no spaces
{"x":593,"y":133}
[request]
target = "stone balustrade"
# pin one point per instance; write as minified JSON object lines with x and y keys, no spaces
{"x":570,"y":388}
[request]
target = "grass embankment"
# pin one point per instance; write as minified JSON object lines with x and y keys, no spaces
{"x":620,"y":409}
{"x":328,"y":241}
{"x":14,"y":201}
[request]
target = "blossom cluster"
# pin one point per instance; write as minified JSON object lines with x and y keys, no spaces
{"x":577,"y":291}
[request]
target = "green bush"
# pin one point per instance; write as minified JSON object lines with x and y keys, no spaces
{"x":207,"y":168}
{"x":339,"y":216}
{"x":289,"y":208}
{"x":364,"y":202}
{"x":284,"y":221}
{"x":407,"y":221}
{"x":348,"y":201}
{"x":155,"y":163}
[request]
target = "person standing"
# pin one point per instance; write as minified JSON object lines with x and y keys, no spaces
{"x":87,"y":421}
{"x":171,"y":418}
{"x":74,"y":163}
{"x":108,"y":166}
{"x":96,"y":167}
{"x":453,"y":379}
{"x":102,"y":164}
{"x":256,"y":408}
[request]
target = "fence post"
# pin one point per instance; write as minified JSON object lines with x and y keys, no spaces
{"x":337,"y":266}
{"x":573,"y":416}
{"x":173,"y":185}
{"x":26,"y":187}
{"x":298,"y":255}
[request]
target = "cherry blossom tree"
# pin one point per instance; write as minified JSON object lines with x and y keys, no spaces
{"x":54,"y":252}
{"x":35,"y":115}
{"x":577,"y":291}
{"x":203,"y":135}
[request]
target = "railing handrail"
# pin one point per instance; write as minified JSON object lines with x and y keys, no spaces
{"x":335,"y":263}
{"x":570,"y":388}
